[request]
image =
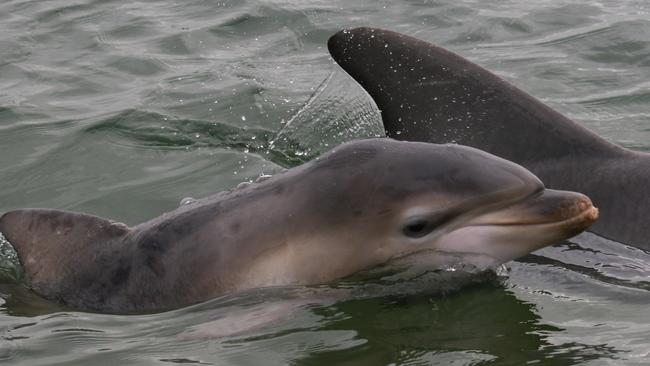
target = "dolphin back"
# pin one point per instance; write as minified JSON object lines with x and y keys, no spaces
{"x":60,"y":251}
{"x":426,"y":93}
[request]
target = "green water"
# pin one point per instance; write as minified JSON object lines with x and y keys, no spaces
{"x":122,"y":108}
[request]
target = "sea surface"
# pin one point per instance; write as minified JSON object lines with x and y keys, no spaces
{"x":123,"y":108}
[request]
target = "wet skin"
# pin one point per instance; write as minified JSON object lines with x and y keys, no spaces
{"x":360,"y":205}
{"x":426,"y":93}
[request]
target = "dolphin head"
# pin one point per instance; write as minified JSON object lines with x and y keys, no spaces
{"x":393,"y":199}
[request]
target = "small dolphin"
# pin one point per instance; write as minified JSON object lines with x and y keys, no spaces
{"x":360,"y":205}
{"x":426,"y":93}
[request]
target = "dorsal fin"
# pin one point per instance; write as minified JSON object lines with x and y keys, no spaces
{"x":58,"y":249}
{"x":426,"y":93}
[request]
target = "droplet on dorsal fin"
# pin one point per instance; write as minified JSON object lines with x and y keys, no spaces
{"x":187,"y":201}
{"x":242,"y":185}
{"x":262,"y":178}
{"x":118,"y":224}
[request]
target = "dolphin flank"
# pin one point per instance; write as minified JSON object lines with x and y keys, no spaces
{"x":426,"y":93}
{"x":360,"y":205}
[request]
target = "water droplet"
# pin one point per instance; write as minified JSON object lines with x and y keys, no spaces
{"x":242,"y":185}
{"x":262,"y":178}
{"x":187,"y":201}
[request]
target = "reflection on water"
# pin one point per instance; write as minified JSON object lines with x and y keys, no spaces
{"x":322,"y":325}
{"x":121,"y":109}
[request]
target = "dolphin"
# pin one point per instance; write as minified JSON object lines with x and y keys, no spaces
{"x":426,"y":93}
{"x":360,"y":205}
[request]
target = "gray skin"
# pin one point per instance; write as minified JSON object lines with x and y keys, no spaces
{"x":360,"y":205}
{"x":426,"y":93}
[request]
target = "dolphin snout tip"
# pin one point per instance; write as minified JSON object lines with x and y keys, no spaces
{"x":594,"y":213}
{"x":584,"y":204}
{"x":591,"y":212}
{"x":581,"y":214}
{"x":587,"y":206}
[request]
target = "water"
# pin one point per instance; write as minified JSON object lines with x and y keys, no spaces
{"x":122,"y":109}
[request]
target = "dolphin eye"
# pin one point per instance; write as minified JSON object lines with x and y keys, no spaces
{"x":417,"y":228}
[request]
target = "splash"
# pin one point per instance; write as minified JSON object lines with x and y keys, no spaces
{"x":11,"y":270}
{"x":337,"y":112}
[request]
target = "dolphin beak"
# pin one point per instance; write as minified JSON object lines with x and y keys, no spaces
{"x":523,"y":227}
{"x":569,"y":211}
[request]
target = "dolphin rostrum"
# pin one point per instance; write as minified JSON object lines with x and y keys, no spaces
{"x":360,"y":205}
{"x":426,"y":93}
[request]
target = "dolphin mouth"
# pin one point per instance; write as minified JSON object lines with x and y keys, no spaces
{"x":517,"y":229}
{"x":584,"y":218}
{"x":548,"y":208}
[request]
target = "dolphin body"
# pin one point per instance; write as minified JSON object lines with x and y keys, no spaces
{"x":426,"y":93}
{"x":360,"y":205}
